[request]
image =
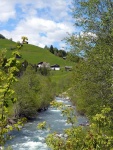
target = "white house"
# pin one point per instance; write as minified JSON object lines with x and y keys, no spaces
{"x":43,"y":64}
{"x":55,"y":67}
{"x":68,"y":68}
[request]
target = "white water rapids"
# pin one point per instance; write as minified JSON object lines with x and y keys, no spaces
{"x":30,"y":138}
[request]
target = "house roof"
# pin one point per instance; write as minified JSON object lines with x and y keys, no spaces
{"x":56,"y":65}
{"x":40,"y":63}
{"x":68,"y":67}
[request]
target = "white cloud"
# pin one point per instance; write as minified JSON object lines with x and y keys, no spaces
{"x":32,"y":28}
{"x":44,"y":22}
{"x":6,"y":10}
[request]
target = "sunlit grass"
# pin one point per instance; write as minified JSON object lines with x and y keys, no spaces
{"x":34,"y":54}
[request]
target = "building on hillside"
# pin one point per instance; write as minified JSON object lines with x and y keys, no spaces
{"x":68,"y":68}
{"x":43,"y":64}
{"x":55,"y":67}
{"x":39,"y":64}
{"x":64,"y":57}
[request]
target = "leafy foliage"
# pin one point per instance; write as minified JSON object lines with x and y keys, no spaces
{"x":7,"y":95}
{"x":42,"y":125}
{"x":45,"y":71}
{"x":92,"y":76}
{"x":95,"y":137}
{"x":34,"y":93}
{"x":24,"y":40}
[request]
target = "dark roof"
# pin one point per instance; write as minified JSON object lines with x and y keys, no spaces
{"x":40,"y":63}
{"x":56,"y":65}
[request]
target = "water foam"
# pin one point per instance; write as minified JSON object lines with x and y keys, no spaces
{"x":34,"y":145}
{"x":55,"y":110}
{"x":60,"y":120}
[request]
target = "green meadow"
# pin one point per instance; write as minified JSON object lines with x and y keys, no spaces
{"x":34,"y":54}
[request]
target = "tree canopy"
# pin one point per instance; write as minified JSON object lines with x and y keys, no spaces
{"x":94,"y":18}
{"x":24,"y":40}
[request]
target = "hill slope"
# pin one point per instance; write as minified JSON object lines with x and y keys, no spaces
{"x":33,"y":54}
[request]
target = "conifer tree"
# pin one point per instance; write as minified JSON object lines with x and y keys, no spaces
{"x":51,"y":49}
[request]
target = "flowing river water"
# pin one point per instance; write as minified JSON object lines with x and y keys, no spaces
{"x":30,"y":138}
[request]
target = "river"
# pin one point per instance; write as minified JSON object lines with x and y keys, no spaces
{"x":30,"y":138}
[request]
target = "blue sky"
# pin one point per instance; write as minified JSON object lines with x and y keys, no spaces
{"x":44,"y":22}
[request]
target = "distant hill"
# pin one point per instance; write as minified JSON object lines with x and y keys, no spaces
{"x":33,"y":54}
{"x":2,"y":37}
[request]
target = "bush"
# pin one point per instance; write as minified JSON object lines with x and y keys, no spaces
{"x":32,"y":93}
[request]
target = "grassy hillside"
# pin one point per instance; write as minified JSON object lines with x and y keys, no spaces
{"x":57,"y":75}
{"x":34,"y":54}
{"x":4,"y":43}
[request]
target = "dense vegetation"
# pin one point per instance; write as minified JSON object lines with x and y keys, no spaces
{"x":23,"y":89}
{"x":92,"y":79}
{"x":7,"y":97}
{"x":97,"y":136}
{"x":89,"y":85}
{"x":32,"y":93}
{"x":55,"y":51}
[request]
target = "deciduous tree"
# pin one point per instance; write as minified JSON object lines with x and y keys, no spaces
{"x":92,"y":77}
{"x":25,"y":39}
{"x":7,"y":97}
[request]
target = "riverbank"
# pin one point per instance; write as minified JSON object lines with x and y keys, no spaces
{"x":30,"y":138}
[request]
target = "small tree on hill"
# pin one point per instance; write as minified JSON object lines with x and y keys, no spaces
{"x":25,"y":40}
{"x":46,"y":47}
